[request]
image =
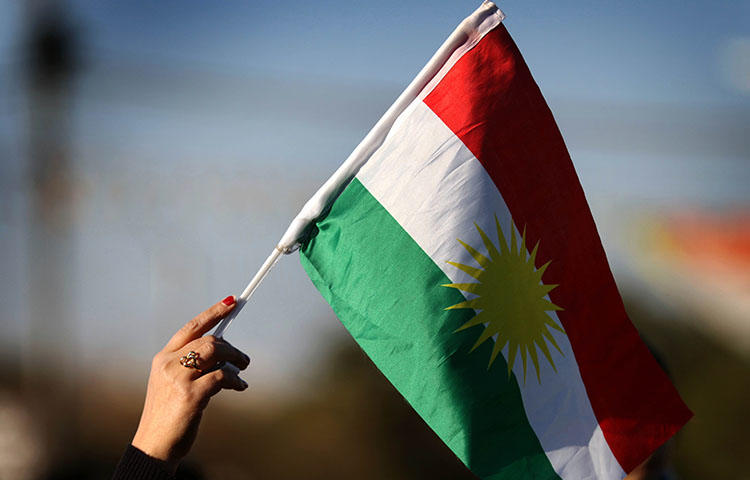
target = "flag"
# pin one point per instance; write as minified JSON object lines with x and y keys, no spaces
{"x":464,"y":260}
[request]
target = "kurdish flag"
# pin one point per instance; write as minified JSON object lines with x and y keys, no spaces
{"x":464,"y":260}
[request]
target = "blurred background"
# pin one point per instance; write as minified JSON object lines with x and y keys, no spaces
{"x":152,"y":153}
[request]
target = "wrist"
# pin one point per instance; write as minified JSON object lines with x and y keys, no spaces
{"x":137,"y":465}
{"x":155,"y":449}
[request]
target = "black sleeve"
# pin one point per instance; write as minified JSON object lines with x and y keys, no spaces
{"x":136,"y":465}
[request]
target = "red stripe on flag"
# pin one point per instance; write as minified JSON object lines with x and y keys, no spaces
{"x":491,"y":102}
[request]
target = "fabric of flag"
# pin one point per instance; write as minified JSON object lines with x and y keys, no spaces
{"x":464,"y":260}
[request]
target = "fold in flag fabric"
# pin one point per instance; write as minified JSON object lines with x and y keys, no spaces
{"x":464,"y":260}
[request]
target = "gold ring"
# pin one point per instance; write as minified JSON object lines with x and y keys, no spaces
{"x":190,"y":360}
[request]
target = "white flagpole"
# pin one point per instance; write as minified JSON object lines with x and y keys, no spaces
{"x":245,"y":295}
{"x":463,"y":38}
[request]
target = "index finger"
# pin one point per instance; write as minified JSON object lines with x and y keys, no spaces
{"x":201,"y":324}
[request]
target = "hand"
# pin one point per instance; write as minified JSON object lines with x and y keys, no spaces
{"x":176,"y":395}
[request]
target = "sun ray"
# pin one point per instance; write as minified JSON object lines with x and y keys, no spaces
{"x":499,"y":344}
{"x":545,"y":350}
{"x":464,"y":287}
{"x":549,"y":305}
{"x":542,"y":269}
{"x":501,"y":238}
{"x":512,"y":347}
{"x":474,"y":272}
{"x":535,"y":361}
{"x":481,"y":259}
{"x":486,"y":335}
{"x":551,"y":340}
{"x":532,"y":256}
{"x":473,"y":303}
{"x":551,"y":323}
{"x":512,"y":237}
{"x":510,"y":301}
{"x":494,"y":254}
{"x":473,"y":322}
{"x":548,"y":288}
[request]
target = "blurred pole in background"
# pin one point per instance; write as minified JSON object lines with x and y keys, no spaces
{"x":51,"y":62}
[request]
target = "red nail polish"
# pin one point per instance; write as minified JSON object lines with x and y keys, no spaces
{"x":229,"y":301}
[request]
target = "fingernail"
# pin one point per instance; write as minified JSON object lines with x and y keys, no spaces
{"x":229,"y":301}
{"x":244,"y":383}
{"x":247,"y":359}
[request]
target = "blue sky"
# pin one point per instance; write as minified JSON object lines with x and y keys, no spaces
{"x":200,"y":128}
{"x":613,"y":50}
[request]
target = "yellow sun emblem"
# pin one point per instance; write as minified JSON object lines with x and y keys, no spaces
{"x":510,"y":300}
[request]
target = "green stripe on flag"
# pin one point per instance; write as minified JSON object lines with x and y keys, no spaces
{"x":387,"y":292}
